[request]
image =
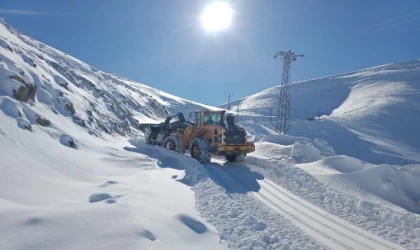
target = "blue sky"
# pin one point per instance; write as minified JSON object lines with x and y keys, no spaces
{"x":162,"y":44}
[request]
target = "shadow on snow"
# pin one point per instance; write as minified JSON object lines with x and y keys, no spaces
{"x":232,"y":177}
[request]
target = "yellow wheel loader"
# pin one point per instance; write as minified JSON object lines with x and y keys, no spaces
{"x":210,"y":132}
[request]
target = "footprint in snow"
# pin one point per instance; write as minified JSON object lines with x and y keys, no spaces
{"x":33,"y":221}
{"x":193,"y":224}
{"x":149,"y":235}
{"x":108,"y":183}
{"x":97,"y":197}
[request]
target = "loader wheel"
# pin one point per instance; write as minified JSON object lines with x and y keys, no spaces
{"x":172,"y":143}
{"x":200,"y":150}
{"x":230,"y":158}
{"x":240,"y":158}
{"x":235,"y":158}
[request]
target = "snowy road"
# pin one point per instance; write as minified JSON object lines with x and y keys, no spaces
{"x":325,"y":228}
{"x":261,"y":204}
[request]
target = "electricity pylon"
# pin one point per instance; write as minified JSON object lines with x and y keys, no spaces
{"x":283,"y":113}
{"x":229,"y":96}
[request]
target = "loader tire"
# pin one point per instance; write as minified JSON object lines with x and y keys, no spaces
{"x":230,"y":158}
{"x":172,"y":143}
{"x":200,"y":150}
{"x":235,"y":158}
{"x":240,"y":158}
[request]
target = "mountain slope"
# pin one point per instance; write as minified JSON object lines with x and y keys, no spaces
{"x":98,"y":101}
{"x":68,"y":178}
{"x":371,"y":114}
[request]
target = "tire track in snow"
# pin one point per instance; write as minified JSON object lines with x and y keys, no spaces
{"x":253,"y":225}
{"x":326,"y":216}
{"x":313,"y":232}
{"x":339,"y":235}
{"x":264,"y":199}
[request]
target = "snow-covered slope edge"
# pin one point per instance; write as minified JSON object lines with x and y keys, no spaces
{"x":371,"y":114}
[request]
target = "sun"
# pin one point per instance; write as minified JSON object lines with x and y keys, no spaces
{"x":216,"y":16}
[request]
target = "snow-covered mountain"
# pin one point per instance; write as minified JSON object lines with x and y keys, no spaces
{"x":61,"y":85}
{"x":74,"y":174}
{"x":371,"y":114}
{"x":357,"y":132}
{"x":68,"y":177}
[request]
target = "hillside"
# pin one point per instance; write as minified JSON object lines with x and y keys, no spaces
{"x":66,"y":180}
{"x":77,"y":174}
{"x":62,"y":85}
{"x":356,"y":132}
{"x":371,"y":114}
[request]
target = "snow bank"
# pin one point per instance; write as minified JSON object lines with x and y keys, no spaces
{"x":300,"y":149}
{"x":394,"y":184}
{"x":303,"y":152}
{"x":372,"y":216}
{"x":343,"y":163}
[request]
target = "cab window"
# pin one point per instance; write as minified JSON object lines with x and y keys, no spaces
{"x":212,"y":118}
{"x":198,"y":119}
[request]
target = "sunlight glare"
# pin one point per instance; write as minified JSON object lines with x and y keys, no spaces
{"x":216,"y":16}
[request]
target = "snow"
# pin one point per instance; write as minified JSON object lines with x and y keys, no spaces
{"x":68,"y":141}
{"x":347,"y":179}
{"x":229,"y":205}
{"x":99,"y":196}
{"x":395,"y":184}
{"x":370,"y":114}
{"x":96,"y":195}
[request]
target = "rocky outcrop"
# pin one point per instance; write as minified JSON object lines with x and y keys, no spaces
{"x":43,"y":122}
{"x":5,"y":45}
{"x":64,"y":85}
{"x":21,"y":94}
{"x":24,"y":92}
{"x":18,"y":78}
{"x":79,"y":121}
{"x":31,"y":91}
{"x":69,"y":106}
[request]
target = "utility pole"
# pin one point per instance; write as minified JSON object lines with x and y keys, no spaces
{"x":271,"y":114}
{"x":229,"y":96}
{"x":283,"y":112}
{"x":238,"y":112}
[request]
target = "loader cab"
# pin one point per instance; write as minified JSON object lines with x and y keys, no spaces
{"x":207,"y":117}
